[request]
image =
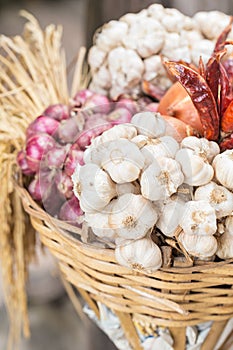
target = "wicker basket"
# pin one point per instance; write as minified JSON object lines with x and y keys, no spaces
{"x":173,"y":297}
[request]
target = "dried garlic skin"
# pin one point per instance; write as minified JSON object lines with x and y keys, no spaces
{"x":149,"y":124}
{"x":132,"y":216}
{"x":225,"y":241}
{"x":93,"y":187}
{"x":223,"y":168}
{"x":219,"y":197}
{"x":197,"y":171}
{"x":141,"y":254}
{"x":161,"y":179}
{"x":199,"y":218}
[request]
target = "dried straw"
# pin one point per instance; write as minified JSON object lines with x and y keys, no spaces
{"x":33,"y":75}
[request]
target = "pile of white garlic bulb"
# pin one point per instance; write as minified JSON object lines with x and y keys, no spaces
{"x":137,"y":179}
{"x":130,"y":50}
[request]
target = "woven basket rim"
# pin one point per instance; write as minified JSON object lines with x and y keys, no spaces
{"x":71,"y":232}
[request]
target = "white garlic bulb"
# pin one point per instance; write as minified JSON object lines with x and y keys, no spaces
{"x":98,"y":221}
{"x":93,"y":187}
{"x":200,"y":246}
{"x":199,"y":218}
{"x":170,"y":216}
{"x":225,"y":241}
{"x":161,"y":179}
{"x":223,"y":168}
{"x":219,"y":197}
{"x":132,"y":216}
{"x":197,"y":171}
{"x":165,"y":146}
{"x":202,"y":147}
{"x":149,"y":124}
{"x":126,"y":131}
{"x":142,"y":254}
{"x":121,"y":158}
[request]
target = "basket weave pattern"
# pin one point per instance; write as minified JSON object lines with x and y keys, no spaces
{"x":172,"y":297}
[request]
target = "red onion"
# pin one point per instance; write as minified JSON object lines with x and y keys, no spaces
{"x":70,"y":211}
{"x":119,"y":116}
{"x":86,"y":136}
{"x":81,"y":97}
{"x":68,"y":131}
{"x":100,"y":101}
{"x":55,"y":157}
{"x":42,"y":124}
{"x":23,"y":163}
{"x":124,"y":102}
{"x":64,"y":184}
{"x":152,"y":107}
{"x":36,"y":147}
{"x":44,"y":190}
{"x":75,"y":156}
{"x":57,"y":111}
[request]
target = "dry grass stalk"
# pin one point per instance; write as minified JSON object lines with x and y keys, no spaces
{"x":33,"y":75}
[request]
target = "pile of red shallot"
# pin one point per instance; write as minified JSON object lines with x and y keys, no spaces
{"x":56,"y":140}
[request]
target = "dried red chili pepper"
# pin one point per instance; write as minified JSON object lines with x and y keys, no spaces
{"x":201,"y":96}
{"x":227,"y":119}
{"x":225,"y":90}
{"x":226,"y":143}
{"x":221,"y":41}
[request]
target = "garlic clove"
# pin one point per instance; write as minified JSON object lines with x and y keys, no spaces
{"x":141,"y":254}
{"x":161,"y":179}
{"x":219,"y":197}
{"x":200,"y":246}
{"x":149,"y":124}
{"x":196,"y":170}
{"x":128,"y":187}
{"x":223,"y":168}
{"x":93,"y":187}
{"x":132,"y":216}
{"x":199,"y":218}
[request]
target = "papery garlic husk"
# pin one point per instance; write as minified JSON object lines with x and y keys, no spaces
{"x":201,"y":147}
{"x":149,"y":124}
{"x":93,"y":187}
{"x":141,"y":254}
{"x":128,"y":187}
{"x":219,"y":197}
{"x":121,"y":158}
{"x":223,"y":168}
{"x":196,"y":170}
{"x":132,"y":216}
{"x":199,"y":218}
{"x":161,"y":179}
{"x":225,"y":241}
{"x":165,"y":146}
{"x":201,"y":246}
{"x":170,"y":216}
{"x":126,"y":131}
